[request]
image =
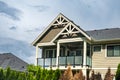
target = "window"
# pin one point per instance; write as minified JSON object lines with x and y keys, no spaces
{"x":79,"y":52}
{"x":75,"y":53}
{"x":50,"y":53}
{"x":113,"y":50}
{"x":62,"y":54}
{"x":97,"y":48}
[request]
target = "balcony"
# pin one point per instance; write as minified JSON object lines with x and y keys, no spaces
{"x":63,"y":61}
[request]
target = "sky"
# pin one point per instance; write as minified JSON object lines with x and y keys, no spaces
{"x":21,"y":21}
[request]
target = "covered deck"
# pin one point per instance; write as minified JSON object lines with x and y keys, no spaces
{"x":76,"y":54}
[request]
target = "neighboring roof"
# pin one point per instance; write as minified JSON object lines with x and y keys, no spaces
{"x":105,"y":34}
{"x":10,"y":60}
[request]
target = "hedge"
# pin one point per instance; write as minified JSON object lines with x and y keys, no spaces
{"x":32,"y":73}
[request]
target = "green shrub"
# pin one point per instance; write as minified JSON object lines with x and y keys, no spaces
{"x":1,"y":74}
{"x":117,"y":76}
{"x":32,"y":73}
{"x":56,"y":75}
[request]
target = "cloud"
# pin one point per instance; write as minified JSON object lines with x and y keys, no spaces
{"x":19,"y":48}
{"x":13,"y":28}
{"x":34,"y":30}
{"x":9,"y":11}
{"x":41,"y":8}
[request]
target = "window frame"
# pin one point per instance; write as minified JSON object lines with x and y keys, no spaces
{"x":113,"y":55}
{"x":49,"y":55}
{"x":95,"y":46}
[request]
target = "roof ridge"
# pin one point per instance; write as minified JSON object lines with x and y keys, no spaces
{"x":103,"y":29}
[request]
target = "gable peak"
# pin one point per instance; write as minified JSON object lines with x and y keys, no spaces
{"x":60,"y":20}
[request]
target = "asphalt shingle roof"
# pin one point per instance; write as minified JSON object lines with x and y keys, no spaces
{"x":15,"y":63}
{"x":105,"y":34}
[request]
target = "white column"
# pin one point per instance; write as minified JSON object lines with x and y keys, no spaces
{"x":58,"y":51}
{"x":84,"y":59}
{"x":84,"y":53}
{"x":36,"y":63}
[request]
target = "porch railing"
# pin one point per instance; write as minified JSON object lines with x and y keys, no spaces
{"x":89,"y":61}
{"x":47,"y":62}
{"x":70,"y":60}
{"x":62,"y":61}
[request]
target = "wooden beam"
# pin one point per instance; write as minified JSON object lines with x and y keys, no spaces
{"x":70,"y":40}
{"x":71,"y":32}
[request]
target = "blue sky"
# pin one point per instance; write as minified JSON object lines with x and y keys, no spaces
{"x":21,"y":21}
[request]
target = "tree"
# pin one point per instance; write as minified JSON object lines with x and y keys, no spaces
{"x":68,"y":75}
{"x":1,"y":74}
{"x":108,"y":75}
{"x":92,"y":75}
{"x":56,"y":74}
{"x":38,"y":74}
{"x":117,"y":76}
{"x":7,"y":73}
{"x":79,"y":76}
{"x":98,"y":76}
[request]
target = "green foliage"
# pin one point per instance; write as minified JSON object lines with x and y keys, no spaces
{"x":38,"y":74}
{"x":1,"y":74}
{"x":7,"y":73}
{"x":32,"y":73}
{"x":56,"y":75}
{"x":117,"y":76}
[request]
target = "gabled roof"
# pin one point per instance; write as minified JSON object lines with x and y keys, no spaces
{"x":49,"y":34}
{"x":10,"y":60}
{"x":105,"y":34}
{"x":58,"y":25}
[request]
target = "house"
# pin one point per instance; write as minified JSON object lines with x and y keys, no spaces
{"x":10,"y":60}
{"x":65,"y":43}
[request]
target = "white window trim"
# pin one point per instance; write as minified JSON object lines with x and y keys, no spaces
{"x":106,"y":50}
{"x":96,"y":51}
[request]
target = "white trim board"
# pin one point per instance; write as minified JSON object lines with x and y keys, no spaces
{"x":70,"y":40}
{"x":46,"y":44}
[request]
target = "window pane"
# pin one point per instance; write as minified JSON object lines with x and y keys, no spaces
{"x":97,"y":48}
{"x":55,"y":54}
{"x":78,"y":53}
{"x":110,"y":51}
{"x":113,"y":50}
{"x":116,"y":50}
{"x":50,"y":53}
{"x":47,"y":54}
{"x":62,"y":53}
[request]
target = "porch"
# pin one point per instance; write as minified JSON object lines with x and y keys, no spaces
{"x":73,"y":52}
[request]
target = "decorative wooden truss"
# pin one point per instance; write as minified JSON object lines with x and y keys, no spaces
{"x":61,"y":20}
